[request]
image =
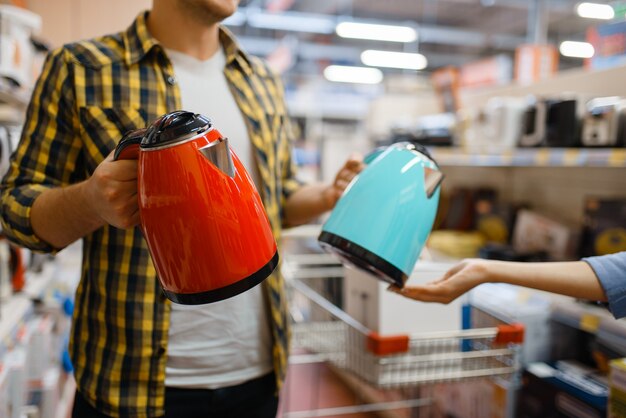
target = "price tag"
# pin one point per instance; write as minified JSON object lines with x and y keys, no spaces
{"x":617,"y":158}
{"x":589,"y":323}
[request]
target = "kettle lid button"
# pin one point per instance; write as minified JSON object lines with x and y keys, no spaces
{"x":174,"y":127}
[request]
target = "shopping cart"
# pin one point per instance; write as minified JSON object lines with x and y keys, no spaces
{"x":401,"y":362}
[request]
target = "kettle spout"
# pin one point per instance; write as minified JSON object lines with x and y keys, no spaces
{"x":432,"y":181}
{"x":218,"y":153}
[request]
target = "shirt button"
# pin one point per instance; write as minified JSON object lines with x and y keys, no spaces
{"x":171,"y":80}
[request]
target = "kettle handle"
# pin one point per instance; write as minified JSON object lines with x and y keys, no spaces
{"x":128,"y":147}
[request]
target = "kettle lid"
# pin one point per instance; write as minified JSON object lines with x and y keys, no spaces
{"x":175,"y":127}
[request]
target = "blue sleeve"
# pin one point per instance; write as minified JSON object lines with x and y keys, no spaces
{"x":611,"y":272}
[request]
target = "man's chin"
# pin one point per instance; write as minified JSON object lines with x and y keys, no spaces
{"x":210,"y":10}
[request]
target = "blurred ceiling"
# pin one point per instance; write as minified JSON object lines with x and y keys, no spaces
{"x":450,"y":32}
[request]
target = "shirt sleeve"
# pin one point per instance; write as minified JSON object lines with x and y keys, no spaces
{"x":47,"y":154}
{"x":611,"y":272}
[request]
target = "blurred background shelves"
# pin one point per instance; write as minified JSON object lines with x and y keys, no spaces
{"x":540,"y":157}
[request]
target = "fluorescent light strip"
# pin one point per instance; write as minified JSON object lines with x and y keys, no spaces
{"x":360,"y":75}
{"x":291,"y":22}
{"x":576,"y":49}
{"x":595,"y":11}
{"x":388,"y":59}
{"x":355,"y":30}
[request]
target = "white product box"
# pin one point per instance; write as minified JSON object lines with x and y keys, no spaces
{"x":4,"y":390}
{"x":368,"y":301}
{"x":535,"y":232}
{"x":39,"y":354}
{"x":46,"y":395}
{"x":15,"y":362}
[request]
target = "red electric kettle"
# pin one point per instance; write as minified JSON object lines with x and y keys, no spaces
{"x":201,"y":215}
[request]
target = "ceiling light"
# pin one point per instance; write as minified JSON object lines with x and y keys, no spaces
{"x":388,"y":59}
{"x":292,"y":21}
{"x":576,"y":49}
{"x":595,"y":11}
{"x":345,"y":74}
{"x":376,"y":32}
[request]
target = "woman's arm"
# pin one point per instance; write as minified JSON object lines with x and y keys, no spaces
{"x":576,"y":279}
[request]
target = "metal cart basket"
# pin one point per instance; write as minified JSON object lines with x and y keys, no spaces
{"x":402,"y":361}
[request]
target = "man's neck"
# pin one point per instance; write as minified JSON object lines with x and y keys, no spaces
{"x":175,"y":31}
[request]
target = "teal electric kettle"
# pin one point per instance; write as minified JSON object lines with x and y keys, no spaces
{"x":382,"y":221}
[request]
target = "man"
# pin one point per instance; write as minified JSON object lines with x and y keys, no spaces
{"x":134,"y":353}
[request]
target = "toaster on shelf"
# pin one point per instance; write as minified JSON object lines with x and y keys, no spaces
{"x":604,"y":123}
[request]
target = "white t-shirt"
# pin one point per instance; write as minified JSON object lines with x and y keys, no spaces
{"x":228,"y":342}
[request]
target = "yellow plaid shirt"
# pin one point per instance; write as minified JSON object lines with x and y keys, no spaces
{"x":89,"y":94}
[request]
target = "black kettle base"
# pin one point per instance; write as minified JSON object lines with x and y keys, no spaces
{"x":225,"y":292}
{"x":362,"y":258}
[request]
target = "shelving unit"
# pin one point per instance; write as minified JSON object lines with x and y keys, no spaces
{"x":15,"y":311}
{"x":533,"y":157}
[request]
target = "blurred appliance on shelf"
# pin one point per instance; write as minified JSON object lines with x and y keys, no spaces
{"x":502,"y":123}
{"x":604,"y":226}
{"x":17,"y":51}
{"x":534,"y":123}
{"x":604,"y":123}
{"x":495,"y":127}
{"x":534,"y":233}
{"x":494,"y":218}
{"x":561,"y":391}
{"x":457,"y":209}
{"x":563,"y":116}
{"x":435,"y":129}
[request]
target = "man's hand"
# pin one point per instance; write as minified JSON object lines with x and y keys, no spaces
{"x":350,"y":169}
{"x":457,"y":281}
{"x":112,"y":192}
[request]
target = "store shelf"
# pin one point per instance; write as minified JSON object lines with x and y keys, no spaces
{"x":592,"y":319}
{"x":15,"y":310}
{"x":13,"y":313}
{"x":533,"y":157}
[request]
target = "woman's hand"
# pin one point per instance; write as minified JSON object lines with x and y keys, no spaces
{"x":458,"y":280}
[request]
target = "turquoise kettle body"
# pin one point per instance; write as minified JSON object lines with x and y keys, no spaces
{"x":384,"y":217}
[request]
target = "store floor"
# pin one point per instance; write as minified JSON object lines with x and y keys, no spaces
{"x":310,"y":387}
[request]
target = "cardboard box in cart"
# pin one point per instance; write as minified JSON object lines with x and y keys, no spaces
{"x":368,"y":301}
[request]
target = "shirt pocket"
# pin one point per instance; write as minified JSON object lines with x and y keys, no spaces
{"x":103,"y":127}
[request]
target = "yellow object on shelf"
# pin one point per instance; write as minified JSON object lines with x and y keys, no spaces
{"x":459,"y":244}
{"x":589,"y":323}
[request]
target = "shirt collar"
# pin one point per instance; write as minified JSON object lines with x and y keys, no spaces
{"x":138,"y":42}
